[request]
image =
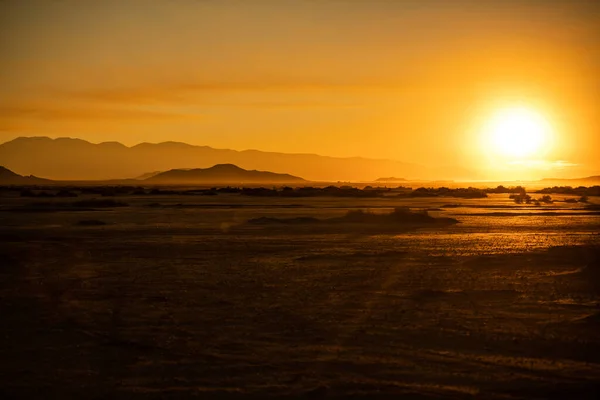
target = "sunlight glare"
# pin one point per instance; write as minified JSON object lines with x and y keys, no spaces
{"x":517,"y":133}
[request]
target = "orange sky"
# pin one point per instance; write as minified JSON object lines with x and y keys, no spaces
{"x":407,"y":80}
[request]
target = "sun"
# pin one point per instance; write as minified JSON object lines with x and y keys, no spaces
{"x":517,"y":133}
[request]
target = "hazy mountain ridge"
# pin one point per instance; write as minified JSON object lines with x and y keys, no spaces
{"x":586,"y":181}
{"x":76,"y":159}
{"x":221,"y":173}
{"x":390,"y":179}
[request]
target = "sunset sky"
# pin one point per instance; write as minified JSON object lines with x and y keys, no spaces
{"x":417,"y":81}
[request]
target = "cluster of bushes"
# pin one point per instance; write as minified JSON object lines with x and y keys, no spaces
{"x":47,"y":194}
{"x":466,"y":193}
{"x":517,"y":193}
{"x":187,"y":192}
{"x":580,"y":191}
{"x":582,"y":199}
{"x":503,"y":190}
{"x":91,"y":203}
{"x":99,"y":203}
{"x":72,"y":191}
{"x":108,"y":191}
{"x":191,"y":192}
{"x":333,"y":191}
{"x":111,"y":191}
{"x":521,"y":198}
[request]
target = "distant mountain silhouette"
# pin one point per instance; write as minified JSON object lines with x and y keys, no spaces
{"x":589,"y":180}
{"x":76,"y":159}
{"x":8,"y":177}
{"x":390,"y":179}
{"x":223,"y":174}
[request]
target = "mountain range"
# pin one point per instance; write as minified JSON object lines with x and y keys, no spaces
{"x":390,"y":179}
{"x":76,"y":159}
{"x":590,"y":180}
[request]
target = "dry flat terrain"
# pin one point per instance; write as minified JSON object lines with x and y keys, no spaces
{"x":156,"y":296}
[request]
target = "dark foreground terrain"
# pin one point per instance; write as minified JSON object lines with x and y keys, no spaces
{"x":177,"y":297}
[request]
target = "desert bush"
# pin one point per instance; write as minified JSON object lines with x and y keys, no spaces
{"x":546,"y":199}
{"x":519,"y":198}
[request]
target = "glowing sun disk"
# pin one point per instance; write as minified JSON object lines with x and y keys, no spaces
{"x":517,"y":132}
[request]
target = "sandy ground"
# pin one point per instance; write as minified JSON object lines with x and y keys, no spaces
{"x":172,"y":299}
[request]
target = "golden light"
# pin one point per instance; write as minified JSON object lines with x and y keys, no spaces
{"x":517,"y":133}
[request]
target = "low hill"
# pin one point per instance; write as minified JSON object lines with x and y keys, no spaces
{"x":223,"y":174}
{"x":8,"y":177}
